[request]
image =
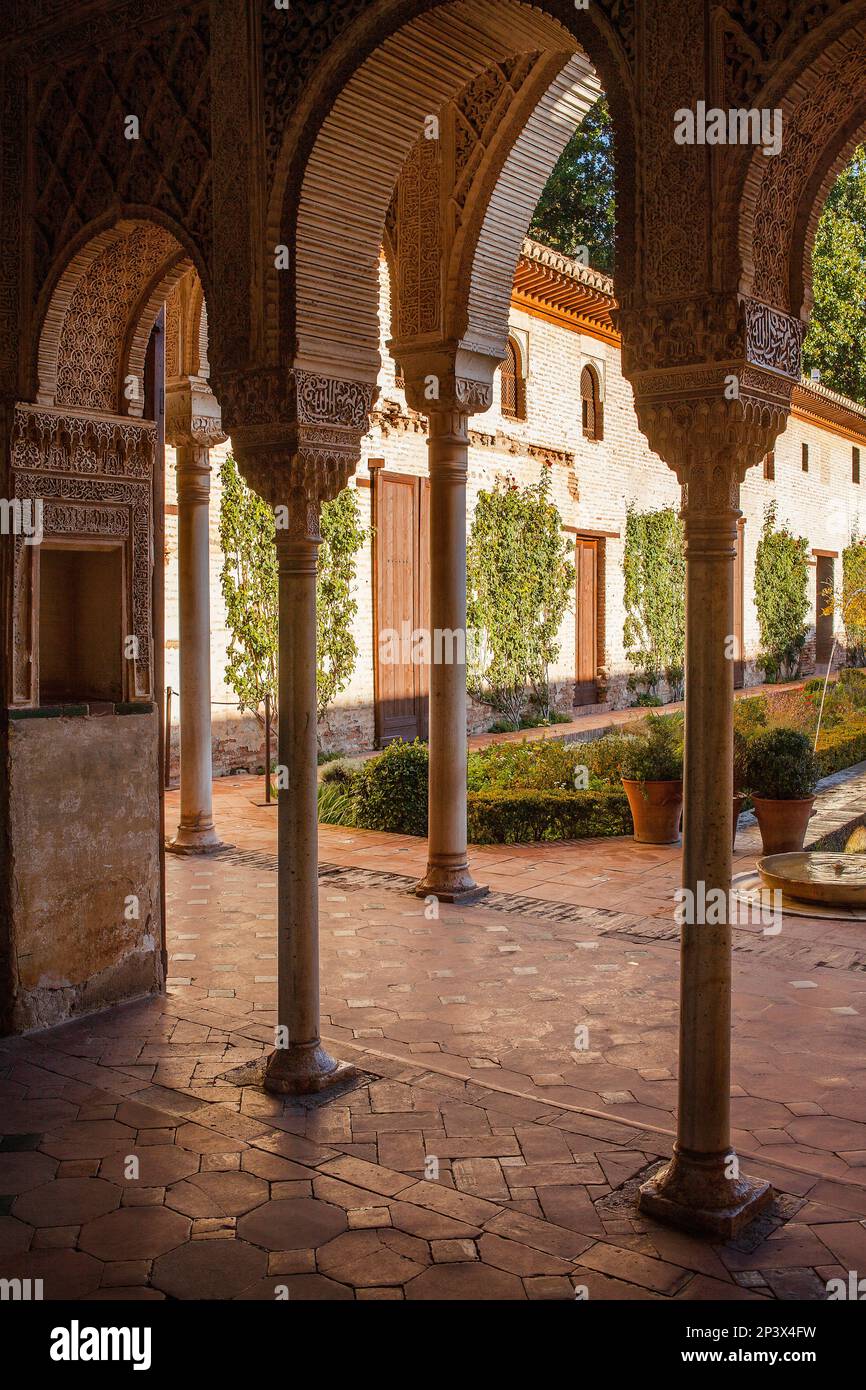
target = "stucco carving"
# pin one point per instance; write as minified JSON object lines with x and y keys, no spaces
{"x":94,"y":477}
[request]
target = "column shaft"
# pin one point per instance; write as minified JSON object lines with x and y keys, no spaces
{"x":300,"y":1063}
{"x":196,"y":831}
{"x":702,"y":1187}
{"x":448,"y":875}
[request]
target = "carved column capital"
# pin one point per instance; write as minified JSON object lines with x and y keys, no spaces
{"x":192,"y":414}
{"x":297,"y":438}
{"x":444,"y":379}
{"x":712,"y":378}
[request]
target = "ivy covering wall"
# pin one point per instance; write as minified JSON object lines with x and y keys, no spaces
{"x":249,"y":586}
{"x":654,"y":595}
{"x":781,"y":597}
{"x":854,"y":600}
{"x":520,"y":582}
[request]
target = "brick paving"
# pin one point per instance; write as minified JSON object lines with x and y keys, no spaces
{"x":517,"y":1063}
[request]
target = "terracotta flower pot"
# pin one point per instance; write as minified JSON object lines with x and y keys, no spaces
{"x":738,"y":806}
{"x":783,"y":823}
{"x":656,"y":808}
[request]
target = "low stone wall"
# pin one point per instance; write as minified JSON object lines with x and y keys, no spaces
{"x":84,"y":812}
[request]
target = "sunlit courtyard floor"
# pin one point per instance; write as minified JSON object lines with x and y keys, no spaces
{"x":523,"y":1050}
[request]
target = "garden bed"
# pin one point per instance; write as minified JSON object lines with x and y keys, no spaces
{"x":548,"y":789}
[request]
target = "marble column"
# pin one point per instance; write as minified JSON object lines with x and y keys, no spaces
{"x":447,"y":396}
{"x":196,"y":833}
{"x":296,"y":488}
{"x":702,"y":1186}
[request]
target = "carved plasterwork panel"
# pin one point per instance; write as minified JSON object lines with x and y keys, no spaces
{"x":94,"y":478}
{"x":83,"y":162}
{"x":92,"y":334}
{"x":419,"y":253}
{"x":834,"y":100}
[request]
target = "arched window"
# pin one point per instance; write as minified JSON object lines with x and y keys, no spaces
{"x":592,"y":409}
{"x":513,"y":384}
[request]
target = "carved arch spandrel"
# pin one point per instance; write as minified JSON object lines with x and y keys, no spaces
{"x":442,"y":47}
{"x":770,"y":216}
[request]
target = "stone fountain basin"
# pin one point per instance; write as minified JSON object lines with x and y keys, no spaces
{"x":833,"y":879}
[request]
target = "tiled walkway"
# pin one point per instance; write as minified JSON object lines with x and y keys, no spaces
{"x":520,"y":1054}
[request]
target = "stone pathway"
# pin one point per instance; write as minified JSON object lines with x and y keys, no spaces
{"x":518,"y":1061}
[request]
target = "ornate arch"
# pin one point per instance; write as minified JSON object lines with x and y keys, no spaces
{"x":821,"y":91}
{"x":322,"y":312}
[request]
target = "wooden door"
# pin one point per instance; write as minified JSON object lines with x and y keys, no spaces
{"x":586,"y":620}
{"x":401,"y":605}
{"x":739,"y":592}
{"x":823,"y":620}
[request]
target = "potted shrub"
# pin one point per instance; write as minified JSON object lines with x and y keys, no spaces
{"x":782,"y":772}
{"x":651,"y":767}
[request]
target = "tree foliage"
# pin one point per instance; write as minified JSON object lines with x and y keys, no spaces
{"x":781,"y":598}
{"x":852,"y":601}
{"x":577,"y":207}
{"x":836,"y":340}
{"x":336,"y":648}
{"x":519,"y":584}
{"x":654,"y":572}
{"x":249,"y":586}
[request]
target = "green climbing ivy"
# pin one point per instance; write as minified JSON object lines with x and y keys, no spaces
{"x":853,"y":604}
{"x":520,"y":580}
{"x":249,"y":586}
{"x":781,"y":597}
{"x":654,"y":573}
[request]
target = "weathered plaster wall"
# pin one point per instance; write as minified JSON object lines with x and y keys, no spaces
{"x":84,"y":801}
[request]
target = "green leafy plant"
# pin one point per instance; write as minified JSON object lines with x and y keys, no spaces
{"x":391,"y":790}
{"x":336,"y":648}
{"x":781,"y":766}
{"x":837,"y":326}
{"x":249,"y":586}
{"x":781,"y":600}
{"x":520,"y":580}
{"x":520,"y":817}
{"x":577,"y":206}
{"x":542,"y":764}
{"x":336,"y":804}
{"x":654,"y":574}
{"x":853,"y":599}
{"x":655,"y":754}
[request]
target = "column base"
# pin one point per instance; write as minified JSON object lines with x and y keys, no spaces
{"x":304,"y":1070}
{"x":195,"y":840}
{"x":693,"y":1193}
{"x":450,"y":884}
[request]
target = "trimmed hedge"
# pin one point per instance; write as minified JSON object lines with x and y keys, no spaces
{"x":840,"y":748}
{"x":526,"y":817}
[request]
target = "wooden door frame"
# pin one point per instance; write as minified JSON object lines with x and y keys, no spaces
{"x":420,"y":484}
{"x":587,"y":539}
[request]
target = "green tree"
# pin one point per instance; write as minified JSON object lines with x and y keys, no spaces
{"x":836,"y":340}
{"x":577,"y":207}
{"x":336,"y":648}
{"x":519,"y":583}
{"x":654,"y":574}
{"x":781,"y":598}
{"x":852,"y":601}
{"x":249,"y":586}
